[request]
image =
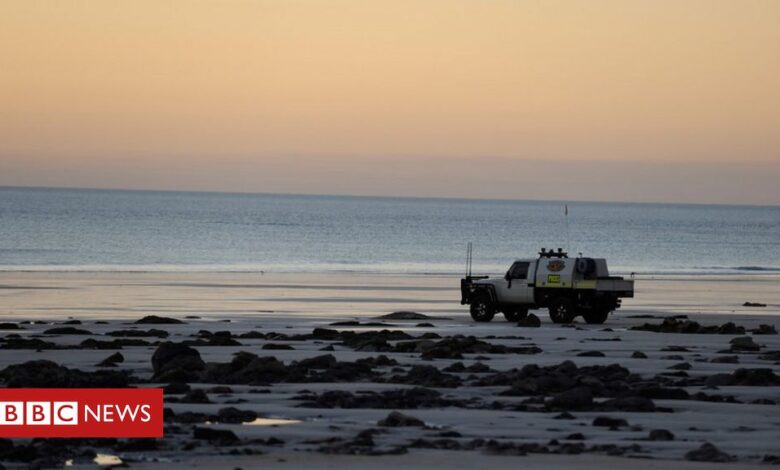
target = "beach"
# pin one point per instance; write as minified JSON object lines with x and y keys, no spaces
{"x":461,"y":387}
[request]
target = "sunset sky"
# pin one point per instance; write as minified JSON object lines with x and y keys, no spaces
{"x":671,"y":101}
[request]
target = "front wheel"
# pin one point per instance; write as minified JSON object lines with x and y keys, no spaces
{"x":596,"y":317}
{"x":562,"y":310}
{"x":482,"y":309}
{"x":515,"y":314}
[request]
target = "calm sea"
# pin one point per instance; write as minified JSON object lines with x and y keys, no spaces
{"x":57,"y":229}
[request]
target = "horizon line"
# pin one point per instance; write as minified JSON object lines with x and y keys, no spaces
{"x":367,"y":196}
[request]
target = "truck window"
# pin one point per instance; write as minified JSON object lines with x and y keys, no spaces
{"x":519,"y":270}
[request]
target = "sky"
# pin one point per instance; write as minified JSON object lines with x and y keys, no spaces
{"x":616,"y":100}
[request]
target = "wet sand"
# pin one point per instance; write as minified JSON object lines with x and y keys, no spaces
{"x":744,"y":424}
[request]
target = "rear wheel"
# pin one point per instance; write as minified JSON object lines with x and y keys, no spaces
{"x":515,"y":314}
{"x":482,"y":309}
{"x":596,"y":316}
{"x":562,"y":310}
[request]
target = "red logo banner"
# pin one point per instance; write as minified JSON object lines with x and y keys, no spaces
{"x":81,"y":412}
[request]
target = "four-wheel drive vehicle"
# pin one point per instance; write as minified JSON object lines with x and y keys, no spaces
{"x":568,"y":287}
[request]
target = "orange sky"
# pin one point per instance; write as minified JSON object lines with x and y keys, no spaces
{"x":438,"y":98}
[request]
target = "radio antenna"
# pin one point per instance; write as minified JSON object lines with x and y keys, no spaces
{"x":566,"y":222}
{"x":468,"y":259}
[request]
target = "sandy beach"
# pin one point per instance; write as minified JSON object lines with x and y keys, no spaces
{"x":652,"y":397}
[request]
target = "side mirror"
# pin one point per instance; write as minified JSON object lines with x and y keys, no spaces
{"x":506,"y":276}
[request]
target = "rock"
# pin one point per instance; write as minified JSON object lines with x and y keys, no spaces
{"x":424,"y":325}
{"x":176,"y":388}
{"x":577,"y":436}
{"x":530,"y":321}
{"x":72,"y":322}
{"x":756,"y":377}
{"x":10,"y":326}
{"x":574,"y":399}
{"x":764,"y":330}
{"x":47,"y":374}
{"x":406,"y":398}
{"x":220,"y":436}
{"x":680,"y":366}
{"x":397,"y":419}
{"x":66,"y":330}
{"x":112,"y":360}
{"x":708,"y":453}
{"x":176,"y":362}
{"x":725,"y":360}
{"x":153,"y":333}
{"x":639,"y":355}
{"x":609,"y":422}
{"x":719,"y":380}
{"x":753,"y":304}
{"x":564,"y":415}
{"x":233,"y":415}
{"x":636,"y":403}
{"x":196,"y":396}
{"x":278,"y":346}
{"x":660,"y":435}
{"x":155,"y":320}
{"x":591,"y":354}
{"x":744,"y":343}
{"x":427,"y":376}
{"x":404,"y":315}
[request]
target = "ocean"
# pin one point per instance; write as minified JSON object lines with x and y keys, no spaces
{"x":114,"y":230}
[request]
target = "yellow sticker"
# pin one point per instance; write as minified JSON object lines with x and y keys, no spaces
{"x":553,"y":279}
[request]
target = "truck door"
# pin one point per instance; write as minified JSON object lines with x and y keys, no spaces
{"x":518,"y":289}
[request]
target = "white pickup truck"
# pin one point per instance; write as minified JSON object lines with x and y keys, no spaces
{"x":568,"y":287}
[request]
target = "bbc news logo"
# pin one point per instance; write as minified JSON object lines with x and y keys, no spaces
{"x":81,"y":412}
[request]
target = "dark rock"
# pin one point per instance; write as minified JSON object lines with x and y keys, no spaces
{"x":639,"y":355}
{"x":233,"y":415}
{"x":424,"y":325}
{"x":573,"y":399}
{"x":155,"y":320}
{"x":725,"y":360}
{"x":577,"y":436}
{"x":753,"y":304}
{"x":10,"y":326}
{"x":47,"y":374}
{"x":397,"y":419}
{"x":530,"y":321}
{"x":427,"y":376}
{"x":66,"y":330}
{"x":764,"y":330}
{"x":92,"y":343}
{"x":403,"y":315}
{"x":756,"y":377}
{"x":176,"y":362}
{"x":660,"y":435}
{"x":153,"y":333}
{"x":196,"y":396}
{"x":636,"y":403}
{"x":609,"y":422}
{"x":708,"y":453}
{"x":591,"y":354}
{"x":273,"y":346}
{"x":219,"y":436}
{"x":407,"y":398}
{"x":680,"y":366}
{"x":744,"y":343}
{"x":564,"y":415}
{"x":27,"y":343}
{"x":112,"y":360}
{"x":176,"y":388}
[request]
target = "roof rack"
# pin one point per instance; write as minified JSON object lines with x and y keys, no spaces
{"x":544,"y":253}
